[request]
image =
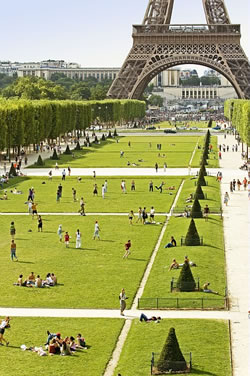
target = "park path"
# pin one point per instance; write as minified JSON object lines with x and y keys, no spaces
{"x":236,"y":230}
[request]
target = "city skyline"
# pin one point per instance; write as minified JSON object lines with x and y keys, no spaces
{"x":83,"y":32}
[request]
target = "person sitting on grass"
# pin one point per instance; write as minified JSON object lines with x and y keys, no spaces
{"x":54,"y":278}
{"x":53,"y":347}
{"x":20,"y":281}
{"x":174,"y":265}
{"x":190,"y":198}
{"x":65,"y":348}
{"x":31,"y":280}
{"x":80,"y":342}
{"x":206,"y":288}
{"x":38,"y":282}
{"x":171,"y":244}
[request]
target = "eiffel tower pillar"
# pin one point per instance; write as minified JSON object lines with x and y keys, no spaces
{"x":159,"y":45}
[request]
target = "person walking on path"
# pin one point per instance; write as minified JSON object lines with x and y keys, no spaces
{"x":13,"y":250}
{"x":78,"y":239}
{"x":82,"y":207}
{"x":50,"y":175}
{"x":60,"y":188}
{"x":34,"y":210}
{"x":139,"y":219}
{"x":12,"y":230}
{"x":245,"y":183}
{"x":40,"y":224}
{"x":151,"y":186}
{"x":66,"y":239}
{"x":206,"y":211}
{"x":103,"y":191}
{"x":30,"y":208}
{"x":69,"y":171}
{"x":234,"y":184}
{"x":106,"y":186}
{"x":127,"y":249}
{"x":96,"y":231}
{"x":231,"y":187}
{"x":156,"y":167}
{"x":74,"y":194}
{"x":226,"y":198}
{"x":123,"y":299}
{"x":131,"y":217}
{"x":238,"y":184}
{"x":60,"y":233}
{"x":64,"y":175}
{"x":4,"y":324}
{"x":164,"y":166}
{"x":123,"y":186}
{"x":144,"y":215}
{"x":95,"y":191}
{"x":152,"y":215}
{"x":94,"y":174}
{"x":132,"y":185}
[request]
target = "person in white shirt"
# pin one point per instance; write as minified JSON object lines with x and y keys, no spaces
{"x":96,"y":231}
{"x":106,"y":186}
{"x":78,"y":239}
{"x":4,"y":324}
{"x":152,"y":215}
{"x":103,"y":191}
{"x":123,"y":186}
{"x":30,"y":207}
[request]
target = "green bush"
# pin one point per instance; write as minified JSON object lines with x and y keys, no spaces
{"x":186,"y":282}
{"x":78,"y":146}
{"x":39,"y":161}
{"x":203,"y":169}
{"x":201,"y":180}
{"x":54,"y":156}
{"x":196,"y":211}
{"x":199,"y":193}
{"x":171,"y":357}
{"x":210,"y":123}
{"x":96,"y":141}
{"x":67,"y":151}
{"x":192,"y":237}
{"x":109,"y":135}
{"x":103,"y":137}
{"x":115,"y":133}
{"x":12,"y":171}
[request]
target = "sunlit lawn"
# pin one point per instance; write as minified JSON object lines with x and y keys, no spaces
{"x":188,"y":124}
{"x":115,"y":201}
{"x":213,"y":160}
{"x":100,"y":335}
{"x":207,"y":340}
{"x":91,"y":277}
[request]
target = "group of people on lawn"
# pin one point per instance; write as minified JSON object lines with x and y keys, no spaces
{"x":55,"y":344}
{"x":37,"y":281}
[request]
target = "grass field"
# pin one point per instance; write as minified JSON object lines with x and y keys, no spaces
{"x":188,"y":124}
{"x":209,"y":259}
{"x":177,"y":149}
{"x":208,"y":340}
{"x":91,"y":277}
{"x":100,"y":336}
{"x":212,"y":190}
{"x":115,"y":201}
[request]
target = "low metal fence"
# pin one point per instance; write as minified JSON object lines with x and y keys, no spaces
{"x":203,"y":303}
{"x":183,"y":240}
{"x":186,"y":366}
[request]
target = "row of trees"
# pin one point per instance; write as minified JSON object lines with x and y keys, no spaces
{"x":24,"y":122}
{"x":238,"y":112}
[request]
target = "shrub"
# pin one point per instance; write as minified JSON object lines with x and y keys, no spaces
{"x":78,"y":146}
{"x":199,"y":193}
{"x":39,"y":161}
{"x":109,"y":135}
{"x":201,"y":180}
{"x":54,"y":156}
{"x":186,"y":280}
{"x":210,"y":123}
{"x":103,"y":137}
{"x":171,"y":357}
{"x":115,"y":133}
{"x":12,"y":171}
{"x":203,"y":169}
{"x":192,"y":237}
{"x":196,"y":209}
{"x":67,"y":151}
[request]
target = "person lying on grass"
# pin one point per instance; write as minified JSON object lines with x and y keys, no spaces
{"x":143,"y":317}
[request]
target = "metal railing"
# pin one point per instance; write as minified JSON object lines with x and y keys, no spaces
{"x":186,"y":28}
{"x":187,"y":365}
{"x":203,"y":303}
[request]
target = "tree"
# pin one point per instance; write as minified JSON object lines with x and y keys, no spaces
{"x":196,"y":211}
{"x":210,"y":81}
{"x":39,"y":161}
{"x":192,"y":237}
{"x":78,"y":146}
{"x":171,"y":357}
{"x":199,"y":193}
{"x":155,"y":100}
{"x":54,"y":156}
{"x":210,"y":123}
{"x":203,"y":169}
{"x":186,"y":282}
{"x":201,"y":180}
{"x":67,"y":151}
{"x":12,"y":171}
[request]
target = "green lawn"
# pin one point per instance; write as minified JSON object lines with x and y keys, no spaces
{"x":177,"y":149}
{"x":100,"y":334}
{"x":208,"y":340}
{"x":212,"y":190}
{"x":209,"y":259}
{"x":198,"y":124}
{"x":114,"y":202}
{"x":213,"y":161}
{"x":91,"y":277}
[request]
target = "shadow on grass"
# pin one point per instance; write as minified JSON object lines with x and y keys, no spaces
{"x":25,"y":262}
{"x":196,"y":371}
{"x":135,"y":259}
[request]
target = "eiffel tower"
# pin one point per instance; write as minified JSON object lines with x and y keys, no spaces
{"x":159,"y":45}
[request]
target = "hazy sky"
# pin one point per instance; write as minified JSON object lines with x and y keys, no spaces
{"x":94,"y":33}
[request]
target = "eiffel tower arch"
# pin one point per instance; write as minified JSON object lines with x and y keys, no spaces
{"x":159,"y":45}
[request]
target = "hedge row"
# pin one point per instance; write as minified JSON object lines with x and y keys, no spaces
{"x":238,"y":112}
{"x":24,"y":122}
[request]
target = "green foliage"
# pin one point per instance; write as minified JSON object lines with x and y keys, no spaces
{"x":12,"y":171}
{"x":54,"y":157}
{"x":201,"y":180}
{"x":171,"y":357}
{"x":103,"y":138}
{"x":96,"y":141}
{"x":210,"y":123}
{"x":203,"y":170}
{"x":115,"y":133}
{"x":186,"y":282}
{"x":155,"y":100}
{"x":67,"y":151}
{"x":238,"y":111}
{"x":39,"y":161}
{"x":109,"y":135}
{"x":196,"y":211}
{"x":192,"y":237}
{"x":199,"y":193}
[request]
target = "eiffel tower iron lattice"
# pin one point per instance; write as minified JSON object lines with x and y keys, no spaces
{"x":159,"y":45}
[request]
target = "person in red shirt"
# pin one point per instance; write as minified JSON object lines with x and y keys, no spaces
{"x":127,"y":247}
{"x":66,"y":239}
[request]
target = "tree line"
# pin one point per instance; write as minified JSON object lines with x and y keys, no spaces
{"x":238,"y":112}
{"x":26,"y":122}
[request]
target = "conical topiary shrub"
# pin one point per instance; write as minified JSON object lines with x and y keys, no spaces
{"x":192,"y":237}
{"x":210,"y":123}
{"x":115,"y":133}
{"x":201,"y":180}
{"x":78,"y":146}
{"x":96,"y":140}
{"x":203,"y":170}
{"x":199,"y":193}
{"x":12,"y":171}
{"x":67,"y":151}
{"x":39,"y":161}
{"x":109,"y":135}
{"x":103,"y":137}
{"x":196,"y":209}
{"x":171,"y":357}
{"x":54,"y":156}
{"x":186,"y":282}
